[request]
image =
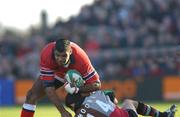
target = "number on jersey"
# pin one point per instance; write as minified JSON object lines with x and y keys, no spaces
{"x":106,"y":107}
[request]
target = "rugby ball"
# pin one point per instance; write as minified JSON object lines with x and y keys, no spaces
{"x":74,"y":78}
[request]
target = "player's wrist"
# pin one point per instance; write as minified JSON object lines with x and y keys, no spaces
{"x":76,"y":90}
{"x":71,"y":90}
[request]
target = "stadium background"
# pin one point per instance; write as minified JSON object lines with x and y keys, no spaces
{"x":132,"y":44}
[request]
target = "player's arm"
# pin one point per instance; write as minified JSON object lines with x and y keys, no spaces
{"x":90,"y":87}
{"x":89,"y":74}
{"x":52,"y":96}
{"x":92,"y":82}
{"x":47,"y":77}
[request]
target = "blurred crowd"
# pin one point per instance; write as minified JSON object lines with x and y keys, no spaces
{"x":123,"y":38}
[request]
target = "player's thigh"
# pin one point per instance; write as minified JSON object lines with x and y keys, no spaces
{"x":37,"y":91}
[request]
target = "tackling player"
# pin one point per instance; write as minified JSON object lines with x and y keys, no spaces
{"x":104,"y":104}
{"x":55,"y":60}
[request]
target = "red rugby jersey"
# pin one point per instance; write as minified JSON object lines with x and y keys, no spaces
{"x":49,"y":69}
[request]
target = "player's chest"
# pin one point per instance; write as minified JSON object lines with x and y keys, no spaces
{"x":61,"y":71}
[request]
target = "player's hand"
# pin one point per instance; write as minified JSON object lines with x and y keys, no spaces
{"x":66,"y":114}
{"x":71,"y":89}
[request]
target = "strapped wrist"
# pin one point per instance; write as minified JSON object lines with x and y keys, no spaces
{"x":76,"y":90}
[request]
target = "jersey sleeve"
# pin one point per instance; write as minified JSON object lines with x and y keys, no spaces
{"x":46,"y":69}
{"x":90,"y":76}
{"x":87,"y":70}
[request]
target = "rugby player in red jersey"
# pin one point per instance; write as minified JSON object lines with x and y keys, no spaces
{"x":55,"y":60}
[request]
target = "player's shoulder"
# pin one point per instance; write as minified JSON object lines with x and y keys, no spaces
{"x":48,"y":48}
{"x":75,"y":46}
{"x":78,"y":52}
{"x":46,"y":56}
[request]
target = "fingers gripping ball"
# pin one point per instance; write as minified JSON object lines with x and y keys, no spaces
{"x":74,"y":78}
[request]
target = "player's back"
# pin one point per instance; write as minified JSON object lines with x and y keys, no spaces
{"x":96,"y":105}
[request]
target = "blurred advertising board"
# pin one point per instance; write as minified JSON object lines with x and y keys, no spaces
{"x":21,"y":88}
{"x":6,"y":91}
{"x":145,"y":89}
{"x":171,"y":88}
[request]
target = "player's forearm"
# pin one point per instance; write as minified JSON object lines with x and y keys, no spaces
{"x":90,"y":87}
{"x":51,"y":94}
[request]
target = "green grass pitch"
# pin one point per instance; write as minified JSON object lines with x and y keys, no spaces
{"x":50,"y":110}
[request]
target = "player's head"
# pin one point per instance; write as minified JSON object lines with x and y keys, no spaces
{"x":62,"y":51}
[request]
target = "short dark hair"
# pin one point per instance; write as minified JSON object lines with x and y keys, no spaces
{"x":62,"y":44}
